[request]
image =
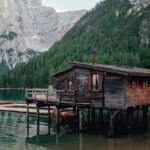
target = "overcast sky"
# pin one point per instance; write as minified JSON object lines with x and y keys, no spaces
{"x":66,"y":5}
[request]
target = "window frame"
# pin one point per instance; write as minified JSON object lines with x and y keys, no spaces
{"x":147,"y":83}
{"x":95,"y":90}
{"x":130,"y":83}
{"x":139,"y":83}
{"x":71,"y":87}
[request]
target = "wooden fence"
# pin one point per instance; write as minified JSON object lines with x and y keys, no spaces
{"x":60,"y":96}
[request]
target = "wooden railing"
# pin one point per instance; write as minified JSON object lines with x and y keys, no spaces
{"x":60,"y":96}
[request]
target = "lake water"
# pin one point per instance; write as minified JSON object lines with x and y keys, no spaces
{"x":12,"y":95}
{"x":15,"y":134}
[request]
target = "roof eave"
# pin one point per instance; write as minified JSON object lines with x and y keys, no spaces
{"x":139,"y":74}
{"x":99,"y":69}
{"x":58,"y":73}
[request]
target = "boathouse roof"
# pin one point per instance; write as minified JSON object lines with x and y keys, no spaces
{"x":121,"y":70}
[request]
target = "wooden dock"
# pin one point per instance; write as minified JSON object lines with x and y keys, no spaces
{"x":45,"y":98}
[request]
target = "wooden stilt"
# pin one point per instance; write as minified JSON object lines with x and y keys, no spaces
{"x":28,"y":131}
{"x":74,"y":109}
{"x":93,"y":116}
{"x":101,"y":117}
{"x":129,"y":117}
{"x":38,"y":130}
{"x":80,"y":119}
{"x":77,"y":115}
{"x":49,"y":118}
{"x":110,"y":129}
{"x":28,"y":112}
{"x":120,"y":117}
{"x":145,"y":116}
{"x":57,"y":118}
{"x":137,"y":116}
{"x":89,"y":116}
{"x":37,"y":114}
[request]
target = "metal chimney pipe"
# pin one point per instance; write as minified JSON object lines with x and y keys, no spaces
{"x":94,"y":56}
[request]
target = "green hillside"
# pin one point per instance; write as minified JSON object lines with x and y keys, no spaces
{"x":120,"y":36}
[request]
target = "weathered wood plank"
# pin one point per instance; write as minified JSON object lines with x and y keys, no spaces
{"x":114,"y":93}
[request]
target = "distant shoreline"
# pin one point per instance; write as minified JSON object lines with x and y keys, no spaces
{"x":21,"y":89}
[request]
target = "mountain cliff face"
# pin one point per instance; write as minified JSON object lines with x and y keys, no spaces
{"x":118,"y":29}
{"x":140,"y":2}
{"x":139,"y":6}
{"x":27,"y":28}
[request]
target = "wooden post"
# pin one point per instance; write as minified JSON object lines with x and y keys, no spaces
{"x":49,"y":119}
{"x":145,"y":116}
{"x":37,"y":114}
{"x":80,"y":120}
{"x":74,"y":109}
{"x":89,"y":116}
{"x":28,"y":131}
{"x":38,"y":130}
{"x":28,"y":112}
{"x":47,"y":95}
{"x":129,"y":117}
{"x":110,"y":129}
{"x":37,"y":117}
{"x":93,"y":116}
{"x":101,"y":117}
{"x":57,"y":118}
{"x":120,"y":117}
{"x":137,"y":116}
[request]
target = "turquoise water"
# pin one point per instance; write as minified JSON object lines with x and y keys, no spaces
{"x":12,"y":95}
{"x":16,"y":134}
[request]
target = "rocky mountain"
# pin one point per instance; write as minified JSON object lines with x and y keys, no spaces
{"x":28,"y":28}
{"x":140,"y":2}
{"x":119,"y":30}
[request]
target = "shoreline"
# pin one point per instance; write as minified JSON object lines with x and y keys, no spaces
{"x":19,"y":89}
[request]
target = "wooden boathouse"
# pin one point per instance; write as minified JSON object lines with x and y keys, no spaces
{"x":95,"y":86}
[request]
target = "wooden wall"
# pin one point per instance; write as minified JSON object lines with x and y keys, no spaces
{"x":69,"y":75}
{"x":114,"y":92}
{"x":111,"y":96}
{"x":83,"y":95}
{"x":137,"y":95}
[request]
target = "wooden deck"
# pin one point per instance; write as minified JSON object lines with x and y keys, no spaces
{"x":53,"y":98}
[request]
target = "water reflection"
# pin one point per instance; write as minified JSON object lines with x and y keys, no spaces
{"x":89,"y":142}
{"x":16,"y":134}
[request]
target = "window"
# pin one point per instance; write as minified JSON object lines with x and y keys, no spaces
{"x":139,"y":83}
{"x":130,"y":83}
{"x":147,"y":83}
{"x":95,"y":83}
{"x":71,"y":84}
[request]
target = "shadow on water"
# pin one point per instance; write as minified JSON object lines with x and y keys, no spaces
{"x":86,"y":141}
